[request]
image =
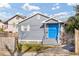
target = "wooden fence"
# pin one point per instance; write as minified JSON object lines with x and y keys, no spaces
{"x":76,"y":41}
{"x":7,"y":34}
{"x":7,"y":39}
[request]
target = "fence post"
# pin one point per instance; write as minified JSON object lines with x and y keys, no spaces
{"x":76,"y":41}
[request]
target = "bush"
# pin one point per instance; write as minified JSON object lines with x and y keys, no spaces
{"x":35,"y":47}
{"x":73,"y":42}
{"x":1,"y":30}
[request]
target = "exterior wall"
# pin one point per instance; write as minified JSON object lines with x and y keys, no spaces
{"x":35,"y":32}
{"x":1,"y":24}
{"x":15,"y":20}
{"x":11,"y":28}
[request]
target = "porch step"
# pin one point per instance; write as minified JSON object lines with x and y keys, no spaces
{"x":50,"y":42}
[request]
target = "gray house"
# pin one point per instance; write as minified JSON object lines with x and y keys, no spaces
{"x":40,"y":28}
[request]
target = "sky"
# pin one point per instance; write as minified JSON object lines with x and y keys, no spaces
{"x":57,"y":10}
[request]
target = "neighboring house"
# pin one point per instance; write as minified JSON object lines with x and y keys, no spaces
{"x":2,"y":25}
{"x":42,"y":28}
{"x":13,"y":21}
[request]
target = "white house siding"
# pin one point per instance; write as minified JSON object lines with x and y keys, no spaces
{"x":12,"y":24}
{"x":15,"y":20}
{"x":11,"y":28}
{"x":1,"y":25}
{"x":62,"y":29}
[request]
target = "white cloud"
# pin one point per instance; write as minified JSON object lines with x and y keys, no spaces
{"x":56,"y":7}
{"x":30,"y":7}
{"x":35,"y":12}
{"x":4,"y":16}
{"x":61,"y":14}
{"x":6,"y":5}
{"x":72,"y":4}
{"x":19,"y":13}
{"x":56,"y":3}
{"x":53,"y":8}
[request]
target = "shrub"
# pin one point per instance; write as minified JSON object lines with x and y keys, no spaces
{"x":35,"y":47}
{"x":1,"y":30}
{"x":73,"y":42}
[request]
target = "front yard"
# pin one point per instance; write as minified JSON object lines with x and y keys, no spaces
{"x":44,"y":50}
{"x":40,"y":50}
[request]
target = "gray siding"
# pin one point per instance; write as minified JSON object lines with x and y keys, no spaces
{"x":35,"y":33}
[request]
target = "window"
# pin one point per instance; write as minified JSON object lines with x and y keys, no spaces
{"x":22,"y":28}
{"x":25,"y":28}
{"x":28,"y":27}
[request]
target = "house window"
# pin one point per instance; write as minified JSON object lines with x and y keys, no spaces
{"x":28,"y":27}
{"x":22,"y":28}
{"x":25,"y":28}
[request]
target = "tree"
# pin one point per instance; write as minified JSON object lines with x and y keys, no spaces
{"x":72,"y":24}
{"x":73,"y":21}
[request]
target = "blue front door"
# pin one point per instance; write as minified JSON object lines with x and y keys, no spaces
{"x":53,"y":31}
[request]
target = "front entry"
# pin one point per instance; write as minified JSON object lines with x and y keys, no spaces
{"x":53,"y":31}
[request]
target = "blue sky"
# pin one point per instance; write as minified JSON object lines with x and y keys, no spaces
{"x":57,"y":10}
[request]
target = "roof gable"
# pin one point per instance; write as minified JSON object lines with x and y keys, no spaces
{"x":51,"y":20}
{"x":23,"y":17}
{"x":33,"y":16}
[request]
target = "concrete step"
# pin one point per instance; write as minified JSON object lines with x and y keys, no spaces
{"x":50,"y":42}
